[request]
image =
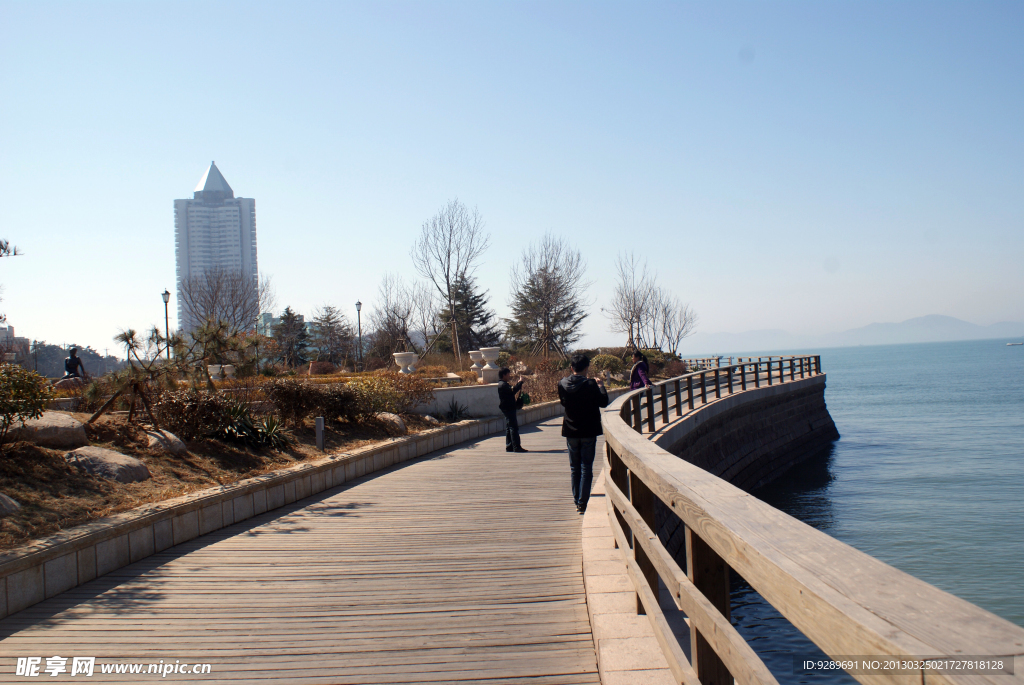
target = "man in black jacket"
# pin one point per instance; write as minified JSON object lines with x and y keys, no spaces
{"x":583,"y":399}
{"x":510,"y":400}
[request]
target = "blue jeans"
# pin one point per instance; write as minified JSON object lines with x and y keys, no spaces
{"x":511,"y":431}
{"x":581,"y":463}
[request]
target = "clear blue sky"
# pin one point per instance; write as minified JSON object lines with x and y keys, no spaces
{"x":811,"y":166}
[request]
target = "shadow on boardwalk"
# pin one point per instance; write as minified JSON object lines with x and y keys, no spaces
{"x":462,"y":566}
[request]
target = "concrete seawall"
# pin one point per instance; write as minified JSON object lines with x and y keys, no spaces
{"x":753,"y":443}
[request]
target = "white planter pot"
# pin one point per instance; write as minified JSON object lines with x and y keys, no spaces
{"x":405,"y":361}
{"x":477,"y":357}
{"x":213,"y":370}
{"x":228,"y":370}
{"x":489,"y":373}
{"x":490,"y":355}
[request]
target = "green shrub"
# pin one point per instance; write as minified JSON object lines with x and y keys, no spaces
{"x":23,"y":395}
{"x":606,"y":362}
{"x":240,"y":426}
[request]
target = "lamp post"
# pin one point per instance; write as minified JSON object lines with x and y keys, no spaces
{"x":359,"y":325}
{"x":167,"y":321}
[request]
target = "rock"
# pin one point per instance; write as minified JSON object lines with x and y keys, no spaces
{"x":109,"y":464}
{"x":394,"y":422}
{"x":52,"y":429}
{"x":432,"y":420}
{"x":69,"y":384}
{"x":7,"y":505}
{"x":167,"y":440}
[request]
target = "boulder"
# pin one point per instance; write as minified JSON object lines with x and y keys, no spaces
{"x":432,"y":420}
{"x":52,"y":429}
{"x":394,"y":422}
{"x":104,"y":463}
{"x":7,"y":505}
{"x":167,"y":440}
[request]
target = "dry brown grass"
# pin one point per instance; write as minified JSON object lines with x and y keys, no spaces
{"x":56,"y":496}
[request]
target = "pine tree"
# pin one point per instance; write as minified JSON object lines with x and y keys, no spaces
{"x":290,"y":334}
{"x":473,"y":318}
{"x":548,"y":299}
{"x":332,"y":335}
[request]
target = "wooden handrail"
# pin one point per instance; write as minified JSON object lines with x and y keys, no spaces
{"x":846,"y":602}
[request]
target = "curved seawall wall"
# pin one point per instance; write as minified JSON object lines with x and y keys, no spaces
{"x":750,"y":439}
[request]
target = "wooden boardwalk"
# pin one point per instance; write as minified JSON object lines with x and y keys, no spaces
{"x":462,"y":566}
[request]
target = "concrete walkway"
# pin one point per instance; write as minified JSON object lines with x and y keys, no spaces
{"x":462,"y":566}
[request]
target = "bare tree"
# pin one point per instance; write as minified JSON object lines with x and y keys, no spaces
{"x":426,"y":319}
{"x":223,"y":295}
{"x":548,"y":297}
{"x":392,"y":316}
{"x":677,"y":321}
{"x":631,"y":308}
{"x":447,"y":252}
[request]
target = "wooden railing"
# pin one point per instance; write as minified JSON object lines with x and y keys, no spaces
{"x":846,"y":602}
{"x":677,"y":396}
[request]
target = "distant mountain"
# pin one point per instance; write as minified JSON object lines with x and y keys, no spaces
{"x":932,"y":328}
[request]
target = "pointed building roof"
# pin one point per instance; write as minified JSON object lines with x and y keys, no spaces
{"x":213,"y":182}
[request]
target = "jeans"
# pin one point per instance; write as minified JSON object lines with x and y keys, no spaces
{"x":581,"y":463}
{"x":511,"y":431}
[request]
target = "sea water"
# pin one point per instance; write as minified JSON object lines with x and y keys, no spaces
{"x":927,"y":476}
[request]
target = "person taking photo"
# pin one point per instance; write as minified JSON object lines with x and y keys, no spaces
{"x":510,"y":399}
{"x":583,"y":399}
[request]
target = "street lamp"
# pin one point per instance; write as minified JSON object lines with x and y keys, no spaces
{"x":359,"y":324}
{"x":167,"y":321}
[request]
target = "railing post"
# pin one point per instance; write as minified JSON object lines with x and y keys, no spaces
{"x":664,"y":402}
{"x":689,"y":391}
{"x":743,"y":376}
{"x":757,"y":374}
{"x":679,"y":400}
{"x":728,"y":373}
{"x":638,"y":422}
{"x":817,"y":359}
{"x":710,"y":574}
{"x":703,"y":388}
{"x":650,"y":410}
{"x":769,"y":374}
{"x":801,"y":367}
{"x":782,"y":371}
{"x":620,"y":477}
{"x":792,"y":373}
{"x":642,"y":499}
{"x":718,"y":384}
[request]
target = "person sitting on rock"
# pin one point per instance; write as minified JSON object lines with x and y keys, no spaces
{"x":73,"y":367}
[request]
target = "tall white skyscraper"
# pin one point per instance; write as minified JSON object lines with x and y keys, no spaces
{"x":213,"y":230}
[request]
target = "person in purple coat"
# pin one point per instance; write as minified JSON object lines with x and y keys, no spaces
{"x":639,"y":375}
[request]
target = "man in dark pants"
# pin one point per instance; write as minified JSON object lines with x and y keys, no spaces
{"x":583,"y":399}
{"x":510,"y":400}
